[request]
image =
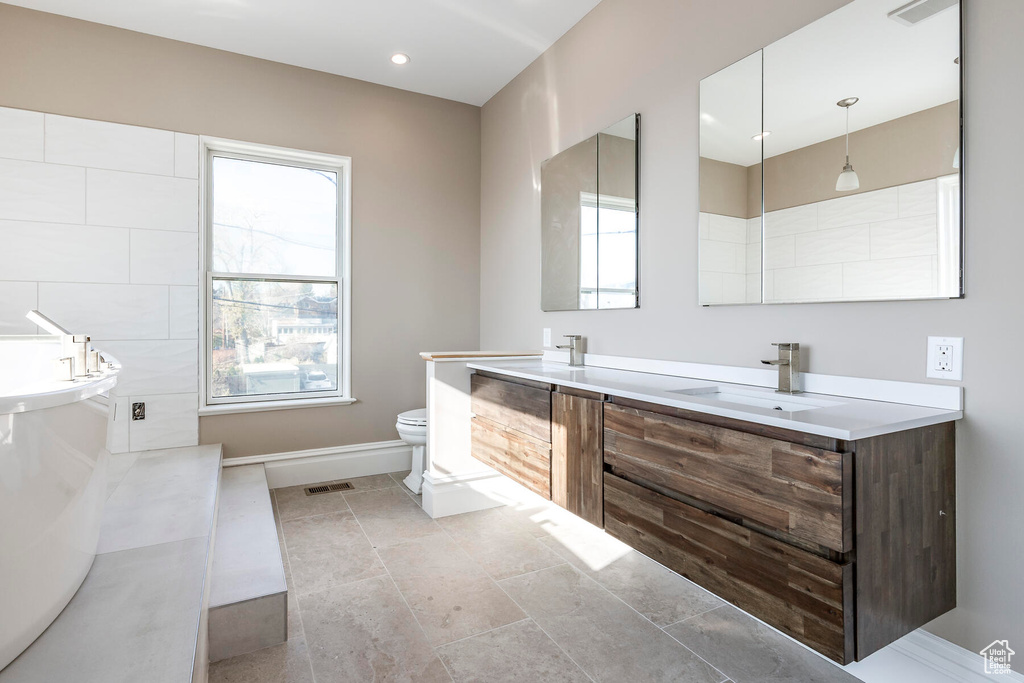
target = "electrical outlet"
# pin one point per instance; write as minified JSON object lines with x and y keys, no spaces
{"x":138,"y":411}
{"x":547,"y":337}
{"x":946,"y":358}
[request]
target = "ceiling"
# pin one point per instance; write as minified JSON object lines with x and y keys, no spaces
{"x":463,"y":50}
{"x":856,"y":51}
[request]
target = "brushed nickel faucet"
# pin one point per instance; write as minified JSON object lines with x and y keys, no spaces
{"x":789,"y":367}
{"x":575,"y":349}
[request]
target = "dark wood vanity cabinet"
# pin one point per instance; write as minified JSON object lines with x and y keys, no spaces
{"x":844,"y":545}
{"x":577,"y":454}
{"x":511,"y":430}
{"x":546,"y":438}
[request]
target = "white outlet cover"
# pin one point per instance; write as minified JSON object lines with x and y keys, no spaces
{"x":936,"y":359}
{"x":547,"y":337}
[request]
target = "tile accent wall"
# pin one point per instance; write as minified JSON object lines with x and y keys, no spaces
{"x":864,"y":246}
{"x":730,"y":259}
{"x":99,"y":230}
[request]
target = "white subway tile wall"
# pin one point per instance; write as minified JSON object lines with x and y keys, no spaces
{"x":99,"y":227}
{"x":863,"y":246}
{"x":34,"y":191}
{"x":730,"y":259}
{"x":21,"y":135}
{"x":17,"y":299}
{"x":170,"y":422}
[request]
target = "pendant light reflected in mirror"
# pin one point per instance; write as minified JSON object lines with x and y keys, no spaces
{"x":848,"y":180}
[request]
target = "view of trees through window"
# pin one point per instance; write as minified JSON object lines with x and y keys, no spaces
{"x":274,"y":315}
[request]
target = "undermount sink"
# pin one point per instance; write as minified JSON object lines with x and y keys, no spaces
{"x":786,"y":404}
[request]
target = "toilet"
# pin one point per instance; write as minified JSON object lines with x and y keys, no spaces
{"x":412,"y":427}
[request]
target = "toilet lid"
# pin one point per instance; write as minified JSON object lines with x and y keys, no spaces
{"x":415,"y":418}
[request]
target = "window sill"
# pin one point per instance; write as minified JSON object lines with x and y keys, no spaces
{"x":267,"y":406}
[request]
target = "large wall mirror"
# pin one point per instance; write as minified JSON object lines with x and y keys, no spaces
{"x":831,"y":161}
{"x":589,"y":221}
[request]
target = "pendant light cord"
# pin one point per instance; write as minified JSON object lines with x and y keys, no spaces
{"x":847,"y":135}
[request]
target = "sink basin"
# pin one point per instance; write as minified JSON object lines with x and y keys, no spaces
{"x":779,"y":402}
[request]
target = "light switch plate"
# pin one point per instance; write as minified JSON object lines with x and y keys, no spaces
{"x":547,"y":337}
{"x":946,"y":358}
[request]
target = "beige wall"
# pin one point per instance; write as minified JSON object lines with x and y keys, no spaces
{"x":415,"y":192}
{"x":908,"y":149}
{"x":663,"y":49}
{"x":724,"y":188}
{"x":916,"y":147}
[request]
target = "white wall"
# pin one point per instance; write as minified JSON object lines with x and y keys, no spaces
{"x":662,"y":48}
{"x":99,"y":231}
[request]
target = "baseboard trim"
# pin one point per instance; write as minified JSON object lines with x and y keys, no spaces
{"x":471,"y":491}
{"x":298,"y":468}
{"x":952,"y":660}
{"x":921,"y":657}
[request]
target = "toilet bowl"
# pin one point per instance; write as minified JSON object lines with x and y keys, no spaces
{"x":412,"y":427}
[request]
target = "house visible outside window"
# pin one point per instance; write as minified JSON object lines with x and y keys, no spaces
{"x":277,"y":289}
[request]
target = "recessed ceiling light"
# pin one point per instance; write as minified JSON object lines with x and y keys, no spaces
{"x":400,"y":58}
{"x":762,"y":135}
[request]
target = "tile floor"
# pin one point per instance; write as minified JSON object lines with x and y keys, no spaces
{"x":378,"y":591}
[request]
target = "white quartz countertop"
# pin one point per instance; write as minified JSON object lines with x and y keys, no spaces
{"x":838,"y":417}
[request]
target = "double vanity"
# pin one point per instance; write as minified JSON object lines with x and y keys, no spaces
{"x":831,"y":518}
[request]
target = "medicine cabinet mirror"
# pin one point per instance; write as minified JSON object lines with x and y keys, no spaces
{"x":589,"y":222}
{"x":831,"y":161}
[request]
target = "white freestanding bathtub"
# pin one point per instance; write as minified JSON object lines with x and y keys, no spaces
{"x":53,"y":462}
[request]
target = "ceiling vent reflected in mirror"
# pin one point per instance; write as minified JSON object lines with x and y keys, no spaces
{"x":917,"y":11}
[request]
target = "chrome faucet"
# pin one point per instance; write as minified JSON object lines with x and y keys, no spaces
{"x":789,"y":367}
{"x":575,"y":349}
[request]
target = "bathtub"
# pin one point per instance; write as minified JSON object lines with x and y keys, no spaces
{"x":53,"y":462}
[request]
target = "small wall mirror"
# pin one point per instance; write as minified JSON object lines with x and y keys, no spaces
{"x":589,"y":222}
{"x":848,"y":145}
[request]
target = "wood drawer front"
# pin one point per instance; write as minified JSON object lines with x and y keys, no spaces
{"x":802,"y":491}
{"x":577,"y":456}
{"x":524,"y":409}
{"x":526,"y":460}
{"x":797,"y":592}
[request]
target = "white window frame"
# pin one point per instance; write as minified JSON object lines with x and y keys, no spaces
{"x":210,"y":405}
{"x":605,"y":201}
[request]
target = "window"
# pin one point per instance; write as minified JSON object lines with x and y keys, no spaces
{"x":608,"y":247}
{"x":277,"y":289}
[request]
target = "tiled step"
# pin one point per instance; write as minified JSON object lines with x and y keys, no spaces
{"x":139,"y":614}
{"x":249,"y":596}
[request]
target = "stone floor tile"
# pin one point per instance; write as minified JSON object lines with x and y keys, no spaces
{"x":365,"y":632}
{"x":293,"y":503}
{"x":748,"y":651}
{"x":328,"y":550}
{"x":608,"y":639}
{"x":389,"y":516}
{"x":517,"y":653}
{"x":450,"y":595}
